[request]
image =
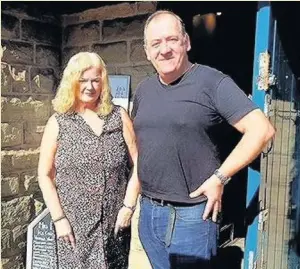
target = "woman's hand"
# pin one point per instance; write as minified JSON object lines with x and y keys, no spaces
{"x":64,"y":231}
{"x":123,"y":219}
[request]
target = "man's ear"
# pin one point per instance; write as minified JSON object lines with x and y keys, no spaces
{"x":187,"y":42}
{"x":147,"y":53}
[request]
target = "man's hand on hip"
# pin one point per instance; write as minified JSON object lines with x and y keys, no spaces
{"x":212,"y":188}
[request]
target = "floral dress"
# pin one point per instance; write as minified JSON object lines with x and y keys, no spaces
{"x":91,"y":179}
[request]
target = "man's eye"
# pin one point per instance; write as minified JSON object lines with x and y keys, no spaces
{"x":155,"y":45}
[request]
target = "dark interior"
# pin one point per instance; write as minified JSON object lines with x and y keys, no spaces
{"x":222,"y":36}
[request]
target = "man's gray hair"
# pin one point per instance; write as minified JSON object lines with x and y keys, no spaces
{"x":161,"y":12}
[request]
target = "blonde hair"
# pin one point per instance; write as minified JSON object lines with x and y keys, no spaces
{"x":162,"y":12}
{"x":65,"y":100}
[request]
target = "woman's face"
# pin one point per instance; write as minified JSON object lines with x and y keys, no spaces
{"x":90,"y":85}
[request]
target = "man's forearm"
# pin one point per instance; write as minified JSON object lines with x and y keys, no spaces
{"x":249,"y":147}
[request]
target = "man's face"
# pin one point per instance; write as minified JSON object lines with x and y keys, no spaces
{"x":166,"y":46}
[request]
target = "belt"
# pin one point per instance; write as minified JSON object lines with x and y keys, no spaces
{"x":162,"y":202}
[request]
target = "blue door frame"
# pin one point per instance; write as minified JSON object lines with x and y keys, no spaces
{"x":263,"y":36}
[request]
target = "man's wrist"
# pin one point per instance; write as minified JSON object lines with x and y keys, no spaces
{"x":223,"y":179}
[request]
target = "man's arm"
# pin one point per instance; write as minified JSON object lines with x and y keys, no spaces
{"x":257,"y":131}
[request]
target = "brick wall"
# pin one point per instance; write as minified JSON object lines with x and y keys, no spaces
{"x":35,"y":47}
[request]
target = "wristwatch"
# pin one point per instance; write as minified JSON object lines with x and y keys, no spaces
{"x":224,"y":180}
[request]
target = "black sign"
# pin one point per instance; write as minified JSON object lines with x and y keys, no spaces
{"x":41,"y":243}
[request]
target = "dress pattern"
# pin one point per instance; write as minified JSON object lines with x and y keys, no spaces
{"x":91,"y":179}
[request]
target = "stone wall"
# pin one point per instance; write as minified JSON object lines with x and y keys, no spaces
{"x":35,"y":48}
{"x":115,"y":33}
{"x":30,"y":67}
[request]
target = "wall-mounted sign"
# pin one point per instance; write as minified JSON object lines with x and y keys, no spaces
{"x":120,"y":89}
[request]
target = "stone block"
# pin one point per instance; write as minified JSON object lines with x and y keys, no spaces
{"x":112,"y":53}
{"x":82,"y":33}
{"x":69,"y":52}
{"x":11,"y":134}
{"x":30,"y":181}
{"x":111,"y":70}
{"x":47,"y":56}
{"x":41,"y":32}
{"x":15,"y":109}
{"x":39,"y":207}
{"x":6,"y":241}
{"x":146,"y":7}
{"x":14,"y":262}
{"x":43,"y":80}
{"x":137,"y":52}
{"x":123,"y":29}
{"x":137,"y":74}
{"x":17,"y":211}
{"x":33,"y":132}
{"x":19,"y":236}
{"x":17,"y":52}
{"x":10,"y":27}
{"x":122,"y":10}
{"x":25,"y":159}
{"x":31,"y":10}
{"x":9,"y":185}
{"x":6,"y":161}
{"x":6,"y":82}
{"x":20,"y":79}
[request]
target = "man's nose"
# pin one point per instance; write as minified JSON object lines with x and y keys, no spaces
{"x":164,"y":48}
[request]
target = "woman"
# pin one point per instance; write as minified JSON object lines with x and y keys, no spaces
{"x":85,"y":148}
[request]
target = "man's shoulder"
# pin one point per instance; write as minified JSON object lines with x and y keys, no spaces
{"x":146,"y":83}
{"x":209,"y":74}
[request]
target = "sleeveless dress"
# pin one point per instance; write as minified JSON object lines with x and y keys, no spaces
{"x":91,"y":179}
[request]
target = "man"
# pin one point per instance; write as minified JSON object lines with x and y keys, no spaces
{"x":178,"y":114}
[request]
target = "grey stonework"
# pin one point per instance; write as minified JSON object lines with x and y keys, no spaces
{"x":70,"y":51}
{"x":122,"y":29}
{"x":112,"y":53}
{"x":17,"y":52}
{"x":82,"y":33}
{"x":47,"y":56}
{"x":36,"y":46}
{"x":41,"y":32}
{"x":10,"y":27}
{"x":137,"y":52}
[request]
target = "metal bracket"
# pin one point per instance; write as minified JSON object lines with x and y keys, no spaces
{"x":265,"y":78}
{"x":262,"y":218}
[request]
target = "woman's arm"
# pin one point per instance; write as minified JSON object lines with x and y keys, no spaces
{"x":46,"y":170}
{"x":46,"y":177}
{"x":134,"y":186}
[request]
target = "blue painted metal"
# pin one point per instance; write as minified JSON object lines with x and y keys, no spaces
{"x":262,"y":37}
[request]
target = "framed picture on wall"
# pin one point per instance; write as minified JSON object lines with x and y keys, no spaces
{"x":120,"y":88}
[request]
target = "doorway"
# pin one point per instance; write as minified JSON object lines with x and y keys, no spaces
{"x":223,"y":36}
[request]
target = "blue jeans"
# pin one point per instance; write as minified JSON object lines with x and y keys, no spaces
{"x":176,"y":236}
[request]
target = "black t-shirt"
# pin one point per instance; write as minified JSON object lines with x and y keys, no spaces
{"x":177,"y":128}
